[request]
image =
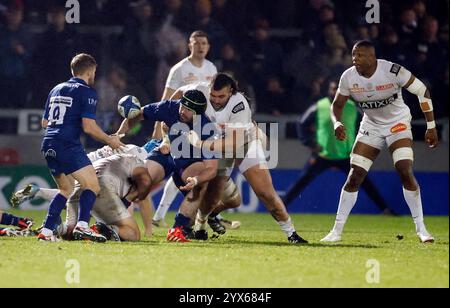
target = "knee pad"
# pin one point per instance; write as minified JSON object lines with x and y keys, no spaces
{"x":403,"y":154}
{"x":361,"y":162}
{"x":230,"y":192}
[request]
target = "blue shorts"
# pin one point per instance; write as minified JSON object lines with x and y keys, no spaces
{"x":64,"y":157}
{"x":173,"y":167}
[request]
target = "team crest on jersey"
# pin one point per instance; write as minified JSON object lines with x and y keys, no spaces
{"x":356,"y":89}
{"x":399,"y":128}
{"x":395,"y":69}
{"x":238,"y":108}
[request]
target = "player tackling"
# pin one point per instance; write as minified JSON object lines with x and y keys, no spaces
{"x":376,"y":85}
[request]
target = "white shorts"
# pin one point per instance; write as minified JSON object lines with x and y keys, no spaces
{"x":255,"y":156}
{"x":108,"y":207}
{"x":379,"y":136}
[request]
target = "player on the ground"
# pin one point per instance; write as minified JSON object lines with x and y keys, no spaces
{"x":33,"y":191}
{"x":11,"y":220}
{"x":122,"y":178}
{"x":190,"y":170}
{"x":230,"y":110}
{"x":376,"y":85}
{"x":70,"y":108}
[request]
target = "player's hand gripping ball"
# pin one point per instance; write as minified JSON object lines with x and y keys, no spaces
{"x":129,"y":107}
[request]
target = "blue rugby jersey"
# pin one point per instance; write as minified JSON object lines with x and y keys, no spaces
{"x":67,"y":104}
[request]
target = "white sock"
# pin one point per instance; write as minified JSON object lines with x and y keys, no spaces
{"x":414,"y":201}
{"x":287,"y":227}
{"x":46,"y":232}
{"x":346,"y":204}
{"x":46,"y":193}
{"x":201,"y":221}
{"x":83,"y":225}
{"x":169,"y":195}
{"x":219,"y":217}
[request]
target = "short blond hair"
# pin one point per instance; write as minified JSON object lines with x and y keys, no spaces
{"x":81,"y":63}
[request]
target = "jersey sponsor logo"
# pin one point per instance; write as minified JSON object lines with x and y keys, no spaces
{"x":395,"y":69}
{"x":356,"y":89}
{"x":92,"y":101}
{"x":378,"y":104}
{"x":385,"y":87}
{"x":238,"y":108}
{"x":191,"y":78}
{"x":399,"y":128}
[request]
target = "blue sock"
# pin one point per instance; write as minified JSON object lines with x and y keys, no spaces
{"x":9,"y":220}
{"x":182,"y":221}
{"x":87,"y":200}
{"x":54,"y":212}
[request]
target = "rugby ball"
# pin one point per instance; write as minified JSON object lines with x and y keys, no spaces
{"x":129,"y":107}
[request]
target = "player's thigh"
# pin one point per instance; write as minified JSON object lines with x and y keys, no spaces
{"x":193,"y":170}
{"x":109,"y":208}
{"x":130,"y":223}
{"x":87,"y":178}
{"x":65,"y":184}
{"x":402,"y":154}
{"x":156,"y":170}
{"x":260,"y":180}
{"x":254,"y":157}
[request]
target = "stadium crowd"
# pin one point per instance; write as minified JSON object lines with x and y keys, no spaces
{"x":283,"y":52}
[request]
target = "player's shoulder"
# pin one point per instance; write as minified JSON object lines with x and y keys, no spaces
{"x":238,"y":102}
{"x":183,"y":63}
{"x":389,"y":67}
{"x":351,"y":71}
{"x":210,"y":65}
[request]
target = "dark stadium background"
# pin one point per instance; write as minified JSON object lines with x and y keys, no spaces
{"x":283,"y":53}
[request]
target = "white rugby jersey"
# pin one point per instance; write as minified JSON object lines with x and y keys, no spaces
{"x":106,"y":151}
{"x":185,"y":73}
{"x":380,"y":96}
{"x":236,"y":114}
{"x":119,"y":169}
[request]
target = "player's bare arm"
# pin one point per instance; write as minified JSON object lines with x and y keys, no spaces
{"x":233,"y":141}
{"x":415,"y":86}
{"x":142,"y":182}
{"x":91,"y":128}
{"x":336,"y":115}
{"x":128,"y":124}
{"x":208,"y":173}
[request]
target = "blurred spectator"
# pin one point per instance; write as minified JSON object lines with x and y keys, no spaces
{"x":138,"y":45}
{"x":205,"y":22}
{"x":15,"y":54}
{"x":165,"y":64}
{"x":111,"y":88}
{"x":176,"y":14}
{"x":230,"y":60}
{"x":336,"y":58}
{"x":408,"y":27}
{"x":274,"y":99}
{"x":391,"y":50}
{"x":54,"y":51}
{"x":265,"y":56}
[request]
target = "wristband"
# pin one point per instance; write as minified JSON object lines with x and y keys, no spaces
{"x":431,"y":125}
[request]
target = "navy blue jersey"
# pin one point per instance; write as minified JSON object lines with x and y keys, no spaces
{"x":168,"y":112}
{"x":67,"y":104}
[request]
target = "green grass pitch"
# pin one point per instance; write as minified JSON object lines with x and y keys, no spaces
{"x":257,"y":255}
